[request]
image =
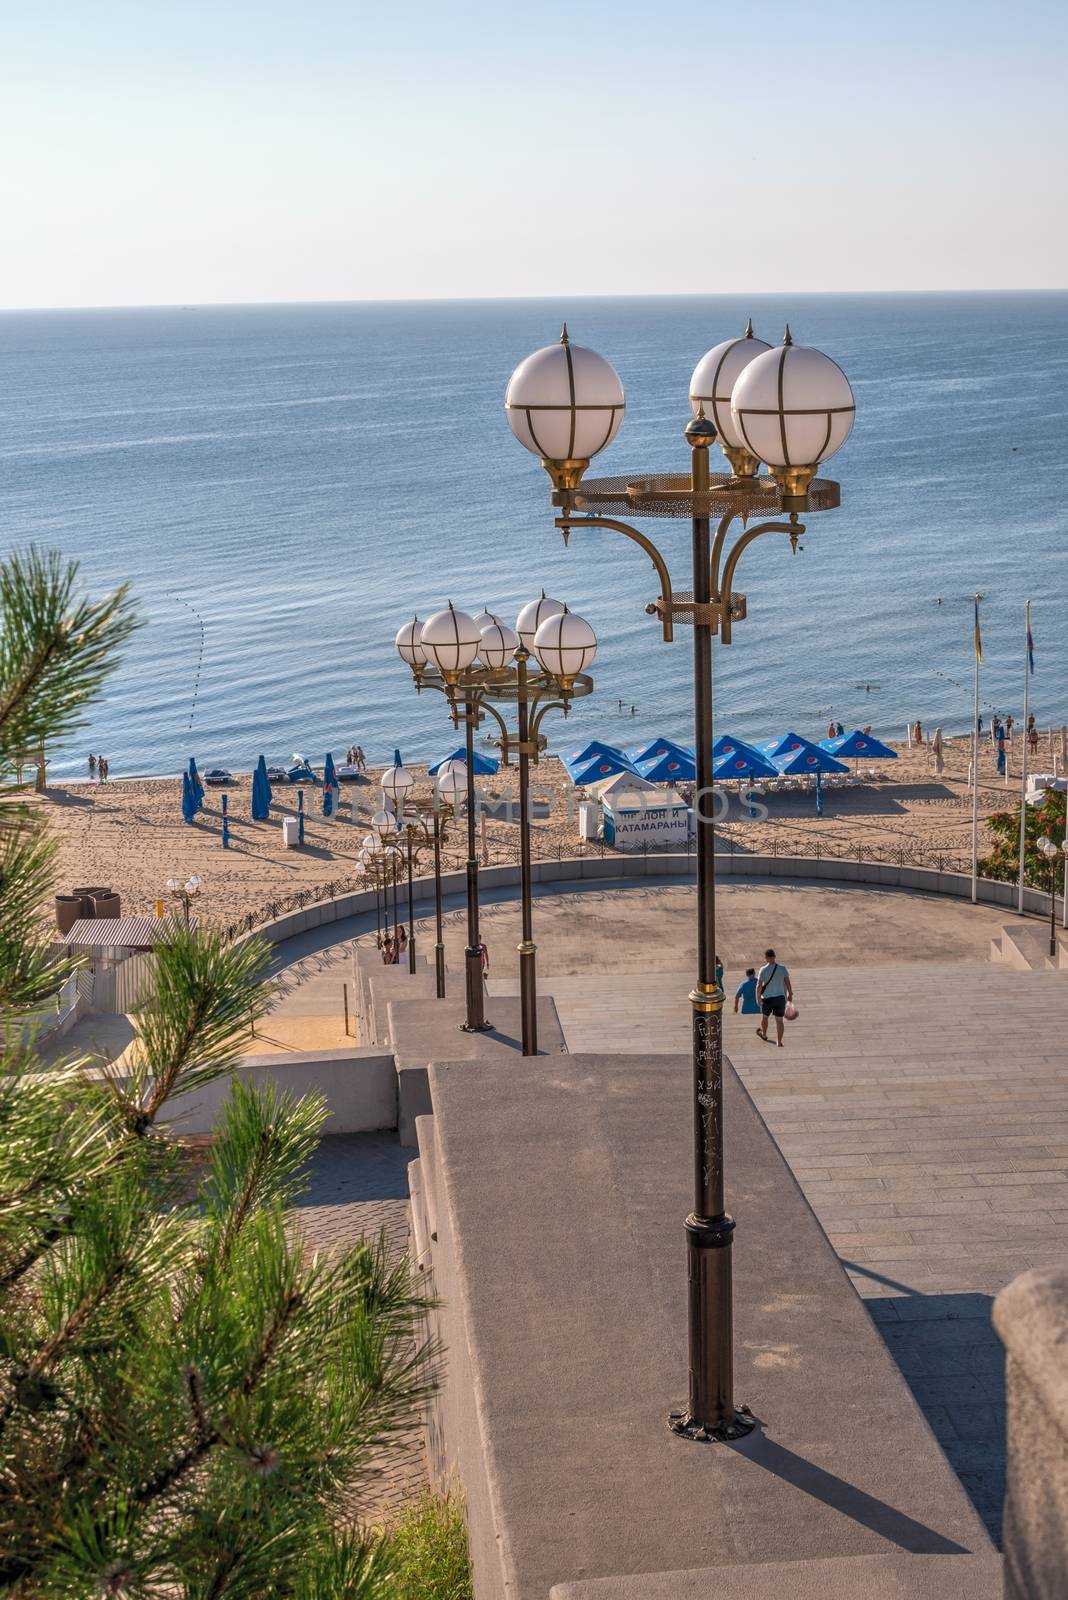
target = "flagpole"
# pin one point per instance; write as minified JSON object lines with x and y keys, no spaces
{"x":1023,"y":757}
{"x":975,"y":759}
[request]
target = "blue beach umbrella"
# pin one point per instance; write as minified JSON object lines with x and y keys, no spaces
{"x":788,"y":745}
{"x":225,"y":822}
{"x":261,"y":792}
{"x":597,"y":768}
{"x":482,"y":766}
{"x":329,"y":785}
{"x":189,"y":799}
{"x":811,"y":762}
{"x":597,"y":747}
{"x":674,"y":766}
{"x":742,"y":764}
{"x":655,"y":749}
{"x":198,"y":787}
{"x":300,"y":816}
{"x":727,"y":744}
{"x":857,"y":745}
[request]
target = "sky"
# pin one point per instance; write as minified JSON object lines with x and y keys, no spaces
{"x":230,"y":151}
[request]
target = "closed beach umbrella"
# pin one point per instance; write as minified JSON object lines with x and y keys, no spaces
{"x":198,"y":787}
{"x":189,"y":801}
{"x":261,"y":792}
{"x":300,"y":816}
{"x":225,"y":822}
{"x":936,"y":746}
{"x":329,"y":785}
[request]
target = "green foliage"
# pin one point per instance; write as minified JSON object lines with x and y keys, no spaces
{"x":189,"y":1398}
{"x":56,"y":650}
{"x":1045,"y":820}
{"x":427,"y":1551}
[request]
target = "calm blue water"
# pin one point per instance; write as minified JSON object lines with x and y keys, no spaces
{"x":296,"y":479}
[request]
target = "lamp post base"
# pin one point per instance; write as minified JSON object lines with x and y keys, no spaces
{"x":687,"y":1427}
{"x":476,"y":1011}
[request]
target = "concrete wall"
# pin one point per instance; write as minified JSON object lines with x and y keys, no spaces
{"x":665,"y":865}
{"x":360,"y":1086}
{"x":1031,"y":1316}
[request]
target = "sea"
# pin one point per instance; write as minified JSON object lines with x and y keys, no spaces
{"x":282,"y":486}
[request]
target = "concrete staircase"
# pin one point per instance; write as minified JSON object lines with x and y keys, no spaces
{"x":1024,"y":946}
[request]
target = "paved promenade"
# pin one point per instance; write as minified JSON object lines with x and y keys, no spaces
{"x":924,"y":1109}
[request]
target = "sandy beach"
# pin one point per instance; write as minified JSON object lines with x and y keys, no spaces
{"x":129,"y":834}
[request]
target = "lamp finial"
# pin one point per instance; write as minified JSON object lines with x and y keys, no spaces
{"x":748,"y":334}
{"x":563,"y":335}
{"x":787,"y":337}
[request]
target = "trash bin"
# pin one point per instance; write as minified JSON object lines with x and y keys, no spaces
{"x":290,"y":832}
{"x":68,"y":911}
{"x":89,"y":894}
{"x":106,"y":904}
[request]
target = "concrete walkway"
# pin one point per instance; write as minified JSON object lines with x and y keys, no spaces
{"x":924,"y":1109}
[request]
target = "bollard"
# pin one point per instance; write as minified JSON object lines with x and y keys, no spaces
{"x":345,"y":997}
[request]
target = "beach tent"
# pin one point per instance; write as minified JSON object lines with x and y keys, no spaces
{"x":189,"y":803}
{"x":857,"y":746}
{"x":482,"y":766}
{"x":596,"y":747}
{"x":330,"y":785}
{"x":742,"y":763}
{"x":597,"y":768}
{"x":624,"y":783}
{"x":198,"y":787}
{"x":656,"y":748}
{"x":637,"y":814}
{"x":676,"y":766}
{"x":261,"y":792}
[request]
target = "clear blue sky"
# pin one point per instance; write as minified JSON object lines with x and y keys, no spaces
{"x":276,"y":151}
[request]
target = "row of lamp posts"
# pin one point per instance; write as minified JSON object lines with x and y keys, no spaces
{"x":482,"y":667}
{"x":787,"y":408}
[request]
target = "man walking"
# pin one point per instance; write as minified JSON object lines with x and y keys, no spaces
{"x":774,"y":989}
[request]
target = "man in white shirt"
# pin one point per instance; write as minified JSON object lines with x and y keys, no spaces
{"x":774,"y":989}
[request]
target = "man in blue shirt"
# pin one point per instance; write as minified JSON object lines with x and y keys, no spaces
{"x":746,"y":994}
{"x":773,"y":991}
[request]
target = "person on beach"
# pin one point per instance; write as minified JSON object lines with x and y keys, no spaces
{"x":1008,"y":727}
{"x":387,"y":951}
{"x":483,"y":957}
{"x":774,"y":989}
{"x":995,"y":729}
{"x":831,"y":730}
{"x":719,"y":972}
{"x":1032,"y":737}
{"x":402,"y":946}
{"x":361,"y":762}
{"x":839,"y":731}
{"x":102,"y":768}
{"x":746,"y":994}
{"x":92,"y":766}
{"x":917,"y":732}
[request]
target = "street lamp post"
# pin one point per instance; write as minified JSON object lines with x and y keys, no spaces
{"x":419,"y":827}
{"x":1051,"y":851}
{"x":497,"y":671}
{"x":789,"y":408}
{"x":184,"y":893}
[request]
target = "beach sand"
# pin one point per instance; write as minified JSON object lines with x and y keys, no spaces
{"x":129,"y":834}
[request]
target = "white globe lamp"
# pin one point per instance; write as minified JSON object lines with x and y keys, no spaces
{"x":565,"y":645}
{"x":498,"y":645}
{"x":711,"y":387}
{"x":450,"y":641}
{"x":409,"y":647}
{"x":793,"y":408}
{"x":450,"y":785}
{"x":384,"y":823}
{"x":396,"y":782}
{"x":533,"y":615}
{"x":565,"y":404}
